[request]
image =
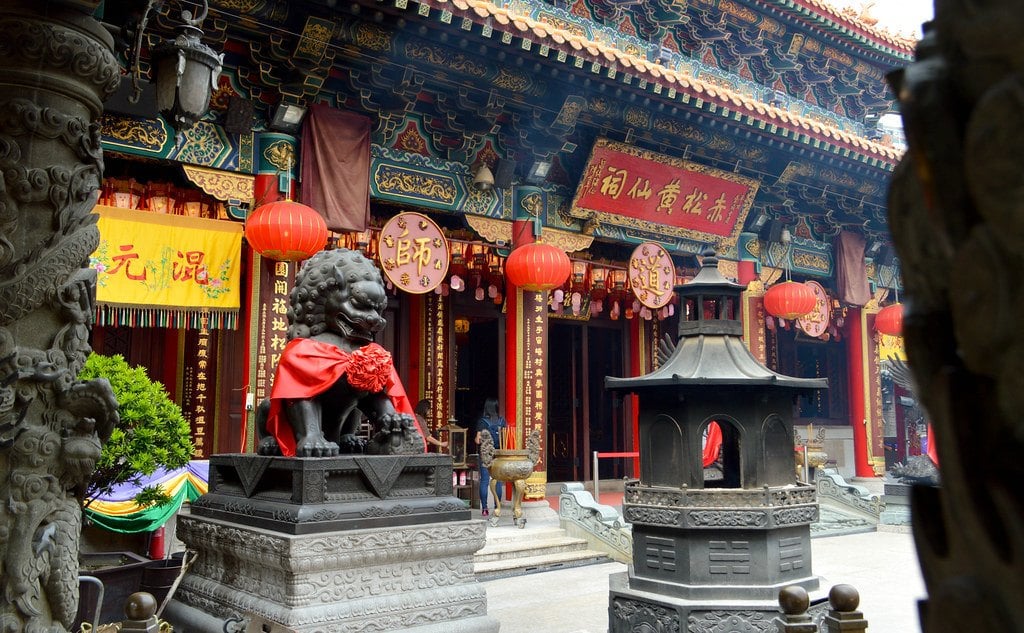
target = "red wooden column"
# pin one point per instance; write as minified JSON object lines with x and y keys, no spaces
{"x":270,"y":282}
{"x":856,"y":337}
{"x":638,"y":366}
{"x":526,"y":340}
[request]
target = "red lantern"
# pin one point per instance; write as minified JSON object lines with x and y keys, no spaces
{"x":537,"y":267}
{"x":890,"y":320}
{"x":286,"y":231}
{"x":789,"y":300}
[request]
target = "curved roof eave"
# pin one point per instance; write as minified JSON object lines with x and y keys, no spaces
{"x":715,"y":98}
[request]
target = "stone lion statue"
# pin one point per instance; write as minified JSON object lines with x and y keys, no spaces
{"x":331,"y":374}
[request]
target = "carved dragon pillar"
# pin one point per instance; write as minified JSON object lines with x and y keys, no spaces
{"x":957,"y":217}
{"x":56,"y":68}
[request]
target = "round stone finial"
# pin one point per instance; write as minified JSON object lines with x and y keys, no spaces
{"x":844,"y":598}
{"x":140,"y":606}
{"x":794,"y":600}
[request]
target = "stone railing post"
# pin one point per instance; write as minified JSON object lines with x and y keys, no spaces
{"x":140,"y":614}
{"x":843,"y":616}
{"x":793,"y":600}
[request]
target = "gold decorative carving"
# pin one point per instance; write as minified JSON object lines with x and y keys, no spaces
{"x":222,"y":185}
{"x":729,"y":269}
{"x":372,"y":38}
{"x":280,"y":154}
{"x":490,"y":229}
{"x":810,"y":261}
{"x":494,"y":230}
{"x":314,"y":40}
{"x":420,"y":184}
{"x":146,"y":133}
{"x":568,"y":241}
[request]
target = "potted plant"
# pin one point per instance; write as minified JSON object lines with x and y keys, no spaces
{"x":152,"y":434}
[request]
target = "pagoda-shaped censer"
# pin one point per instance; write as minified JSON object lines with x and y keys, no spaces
{"x":713,"y":551}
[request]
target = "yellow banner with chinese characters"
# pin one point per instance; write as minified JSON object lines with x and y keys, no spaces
{"x":156,"y":270}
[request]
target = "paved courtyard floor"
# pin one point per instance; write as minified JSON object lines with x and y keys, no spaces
{"x":881,"y":565}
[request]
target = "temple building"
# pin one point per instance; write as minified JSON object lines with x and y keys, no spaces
{"x":629,"y":135}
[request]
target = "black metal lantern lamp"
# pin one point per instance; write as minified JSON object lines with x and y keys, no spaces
{"x":699,"y":539}
{"x":185,"y":71}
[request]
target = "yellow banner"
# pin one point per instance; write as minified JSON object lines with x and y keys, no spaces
{"x":891,"y":347}
{"x":167,"y":262}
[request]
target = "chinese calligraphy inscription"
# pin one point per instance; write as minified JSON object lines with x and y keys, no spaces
{"x":413,"y":253}
{"x":651,"y":275}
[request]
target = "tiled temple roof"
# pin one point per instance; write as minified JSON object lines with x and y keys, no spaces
{"x":848,"y":22}
{"x":576,"y":44}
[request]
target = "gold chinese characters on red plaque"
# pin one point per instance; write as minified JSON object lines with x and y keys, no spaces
{"x":815,"y":322}
{"x":651,"y":275}
{"x":413,"y":253}
{"x":635,"y":188}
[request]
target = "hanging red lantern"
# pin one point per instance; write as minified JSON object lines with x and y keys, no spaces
{"x":890,"y":320}
{"x":286,"y":231}
{"x":789,"y":300}
{"x":537,"y":267}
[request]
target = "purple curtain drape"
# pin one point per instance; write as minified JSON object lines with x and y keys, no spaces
{"x":336,"y":167}
{"x":851,"y":269}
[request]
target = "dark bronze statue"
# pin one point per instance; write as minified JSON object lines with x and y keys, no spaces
{"x":331,"y":373}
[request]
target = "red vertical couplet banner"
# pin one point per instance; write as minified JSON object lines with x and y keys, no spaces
{"x":435,"y":342}
{"x":199,"y":379}
{"x":534,"y":379}
{"x":275,"y":283}
{"x":873,"y":392}
{"x":859,"y":413}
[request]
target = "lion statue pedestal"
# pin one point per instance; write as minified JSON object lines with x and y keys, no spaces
{"x":323,"y":531}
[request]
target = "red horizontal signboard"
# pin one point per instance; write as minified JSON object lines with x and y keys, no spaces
{"x":628,"y":186}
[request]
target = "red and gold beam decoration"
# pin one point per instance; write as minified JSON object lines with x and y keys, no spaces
{"x":634,"y":188}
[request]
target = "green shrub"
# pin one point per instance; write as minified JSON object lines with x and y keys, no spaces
{"x":152,"y":433}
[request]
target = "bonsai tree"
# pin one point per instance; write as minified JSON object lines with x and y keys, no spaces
{"x":152,"y":433}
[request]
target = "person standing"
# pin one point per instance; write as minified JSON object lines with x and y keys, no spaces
{"x":421,"y":411}
{"x":490,"y":422}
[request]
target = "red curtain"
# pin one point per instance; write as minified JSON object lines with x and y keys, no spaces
{"x":712,"y":444}
{"x":851,"y":269}
{"x":336,"y":167}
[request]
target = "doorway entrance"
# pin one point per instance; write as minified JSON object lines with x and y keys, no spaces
{"x":582,"y":416}
{"x":477,"y":363}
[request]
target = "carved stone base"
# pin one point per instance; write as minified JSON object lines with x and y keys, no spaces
{"x":306,"y":495}
{"x":412,"y":577}
{"x":631,"y":610}
{"x":897,"y":505}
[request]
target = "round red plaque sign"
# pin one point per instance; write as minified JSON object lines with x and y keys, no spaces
{"x":815,"y":323}
{"x":413,"y":253}
{"x":652,"y":275}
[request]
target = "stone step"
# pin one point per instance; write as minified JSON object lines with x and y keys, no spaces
{"x":506,"y":567}
{"x":528,"y":547}
{"x":511,"y":552}
{"x":503,"y":535}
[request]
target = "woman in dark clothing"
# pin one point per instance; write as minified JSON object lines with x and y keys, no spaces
{"x":490,"y":422}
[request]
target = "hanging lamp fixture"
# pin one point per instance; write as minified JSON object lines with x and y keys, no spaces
{"x":790,"y":299}
{"x":537,"y":267}
{"x":286,"y":231}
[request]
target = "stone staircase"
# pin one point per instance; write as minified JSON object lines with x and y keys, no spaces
{"x":510,"y":551}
